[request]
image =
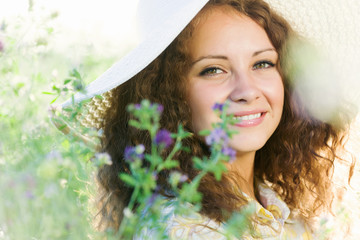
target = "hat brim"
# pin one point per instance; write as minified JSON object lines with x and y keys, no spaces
{"x":144,"y":53}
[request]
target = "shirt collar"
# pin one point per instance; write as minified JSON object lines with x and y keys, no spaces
{"x":272,"y":203}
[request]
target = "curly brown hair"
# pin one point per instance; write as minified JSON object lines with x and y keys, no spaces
{"x":297,"y":161}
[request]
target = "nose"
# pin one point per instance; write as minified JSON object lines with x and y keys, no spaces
{"x":244,"y":88}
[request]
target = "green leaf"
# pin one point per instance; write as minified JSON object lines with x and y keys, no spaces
{"x":75,"y":73}
{"x":198,"y":163}
{"x":186,"y":149}
{"x":168,"y":164}
{"x":134,"y":123}
{"x":20,"y":85}
{"x":189,"y":193}
{"x":218,"y":170}
{"x":54,"y":100}
{"x":68,"y":109}
{"x":55,"y":88}
{"x":73,"y":115}
{"x":181,"y":133}
{"x":174,"y":178}
{"x":205,"y":132}
{"x":50,"y":30}
{"x":156,"y":160}
{"x":67,"y":81}
{"x":128,"y":179}
{"x":48,"y":93}
{"x":239,"y":221}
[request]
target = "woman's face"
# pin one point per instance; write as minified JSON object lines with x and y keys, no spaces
{"x":233,"y":59}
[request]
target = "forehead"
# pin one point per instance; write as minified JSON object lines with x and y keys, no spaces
{"x":216,"y":16}
{"x":223,"y":27}
{"x":210,"y":9}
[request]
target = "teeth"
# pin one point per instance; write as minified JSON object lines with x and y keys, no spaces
{"x":247,"y":117}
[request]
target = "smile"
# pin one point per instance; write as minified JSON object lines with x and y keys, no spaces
{"x":250,"y":120}
{"x":248,"y":117}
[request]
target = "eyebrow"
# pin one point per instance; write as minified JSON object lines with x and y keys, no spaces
{"x":209,"y":57}
{"x":261,"y":51}
{"x":225,"y":58}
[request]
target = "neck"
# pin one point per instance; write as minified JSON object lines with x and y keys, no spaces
{"x":244,"y":167}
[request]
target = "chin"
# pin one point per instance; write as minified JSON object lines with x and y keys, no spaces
{"x":246,"y":145}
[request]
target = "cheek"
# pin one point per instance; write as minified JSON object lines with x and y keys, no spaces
{"x":199,"y":110}
{"x":281,"y":95}
{"x":276,"y":95}
{"x":201,"y":100}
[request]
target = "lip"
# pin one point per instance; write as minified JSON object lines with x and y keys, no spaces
{"x":252,"y":122}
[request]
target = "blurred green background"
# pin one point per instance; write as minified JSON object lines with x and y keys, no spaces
{"x":46,"y":178}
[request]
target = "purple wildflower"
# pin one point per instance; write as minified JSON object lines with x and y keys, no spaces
{"x":228,"y":151}
{"x":160,"y":108}
{"x":103,"y":158}
{"x":1,"y":46}
{"x":128,"y":153}
{"x":218,"y":135}
{"x":30,"y":181}
{"x":155,"y":176}
{"x":137,"y":106}
{"x":183,"y":178}
{"x":152,"y":199}
{"x":56,"y":155}
{"x":218,"y":106}
{"x":29,"y":194}
{"x":133,"y":153}
{"x":163,"y":137}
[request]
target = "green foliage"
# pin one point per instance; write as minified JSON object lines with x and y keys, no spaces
{"x":46,"y":177}
{"x":239,"y":222}
{"x":142,"y":177}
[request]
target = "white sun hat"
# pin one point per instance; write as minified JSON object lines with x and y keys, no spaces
{"x":332,"y":25}
{"x":159,"y":23}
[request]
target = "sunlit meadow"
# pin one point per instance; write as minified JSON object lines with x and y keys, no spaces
{"x":46,"y":177}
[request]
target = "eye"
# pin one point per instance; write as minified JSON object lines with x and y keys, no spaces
{"x":263,"y":65}
{"x":211,"y":71}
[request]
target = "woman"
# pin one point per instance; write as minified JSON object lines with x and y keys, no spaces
{"x":235,"y":51}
